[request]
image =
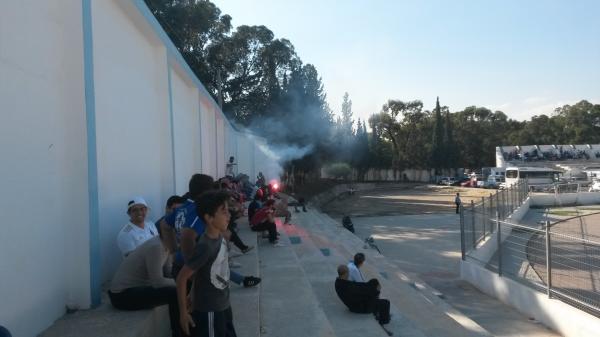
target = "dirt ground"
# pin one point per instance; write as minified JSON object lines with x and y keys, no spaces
{"x":402,"y":199}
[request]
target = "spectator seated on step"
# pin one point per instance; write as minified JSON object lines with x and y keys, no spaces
{"x":246,"y":187}
{"x":353,"y":268}
{"x":137,"y":230}
{"x":236,"y":205}
{"x":281,"y":209}
{"x":260,"y":180}
{"x":173,"y":202}
{"x":139,"y":282}
{"x":359,"y":297}
{"x":183,"y":226}
{"x":255,"y":205}
{"x":264,"y":220}
{"x":237,"y":190}
{"x":236,"y":210}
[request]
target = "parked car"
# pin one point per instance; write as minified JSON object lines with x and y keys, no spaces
{"x":595,"y":187}
{"x":459,"y":182}
{"x":467,"y":183}
{"x":446,"y":181}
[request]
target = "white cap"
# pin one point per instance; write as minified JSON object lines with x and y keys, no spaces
{"x":136,"y":201}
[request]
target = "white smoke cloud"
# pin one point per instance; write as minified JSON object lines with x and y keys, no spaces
{"x":277,"y":155}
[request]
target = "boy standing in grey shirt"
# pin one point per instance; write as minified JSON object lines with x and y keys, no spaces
{"x":211,"y":311}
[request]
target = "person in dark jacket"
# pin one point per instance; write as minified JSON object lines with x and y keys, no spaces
{"x":359,"y":297}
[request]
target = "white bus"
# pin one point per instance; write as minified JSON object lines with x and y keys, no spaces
{"x":533,"y":175}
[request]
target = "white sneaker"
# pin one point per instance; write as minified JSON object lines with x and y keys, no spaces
{"x":278,"y":244}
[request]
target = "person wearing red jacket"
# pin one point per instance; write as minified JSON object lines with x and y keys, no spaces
{"x":264,"y":220}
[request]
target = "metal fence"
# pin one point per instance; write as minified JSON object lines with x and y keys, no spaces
{"x":478,"y":219}
{"x":560,"y":188}
{"x":565,"y":266}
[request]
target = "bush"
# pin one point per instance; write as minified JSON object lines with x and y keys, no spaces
{"x":338,"y":170}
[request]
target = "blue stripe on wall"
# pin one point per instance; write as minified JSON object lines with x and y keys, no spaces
{"x":171,"y":121}
{"x":216,"y":146}
{"x":90,"y":113}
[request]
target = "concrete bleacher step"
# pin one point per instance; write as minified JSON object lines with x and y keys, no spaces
{"x":245,"y":302}
{"x":320,"y":269}
{"x":288,"y":306}
{"x":418,"y":306}
{"x":382,"y":268}
{"x":107,"y":321}
{"x":363,"y":323}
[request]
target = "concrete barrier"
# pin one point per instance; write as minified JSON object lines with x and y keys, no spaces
{"x":561,"y":317}
{"x":564,"y":199}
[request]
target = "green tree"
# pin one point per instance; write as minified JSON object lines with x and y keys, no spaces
{"x":360,"y":151}
{"x":450,"y":148}
{"x":438,"y":157}
{"x":193,"y":26}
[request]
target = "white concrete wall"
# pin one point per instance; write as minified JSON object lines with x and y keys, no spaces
{"x":565,"y":199}
{"x":244,"y":156}
{"x":44,"y":247}
{"x":154,"y":125}
{"x":230,"y":143}
{"x":220,"y":146}
{"x":186,"y":119}
{"x":207,"y":114}
{"x":561,"y":317}
{"x":132,"y":121}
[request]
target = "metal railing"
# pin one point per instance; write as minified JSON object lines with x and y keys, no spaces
{"x":478,"y":219}
{"x":564,"y":265}
{"x":559,"y":188}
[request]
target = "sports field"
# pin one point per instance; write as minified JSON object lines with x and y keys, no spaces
{"x":403,"y":199}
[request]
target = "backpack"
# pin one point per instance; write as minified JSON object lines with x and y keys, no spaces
{"x":382,"y":311}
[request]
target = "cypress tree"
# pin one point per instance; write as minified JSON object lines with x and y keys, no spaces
{"x":438,"y":158}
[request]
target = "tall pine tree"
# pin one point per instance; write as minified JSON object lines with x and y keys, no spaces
{"x":438,"y":159}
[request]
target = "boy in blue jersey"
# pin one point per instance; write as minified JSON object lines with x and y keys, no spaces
{"x":184,"y":226}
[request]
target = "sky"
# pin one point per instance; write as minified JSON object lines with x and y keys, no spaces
{"x":524,"y":58}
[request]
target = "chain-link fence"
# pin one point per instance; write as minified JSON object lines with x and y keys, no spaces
{"x":561,"y":188}
{"x":478,"y":219}
{"x":564,"y":266}
{"x":563,"y":263}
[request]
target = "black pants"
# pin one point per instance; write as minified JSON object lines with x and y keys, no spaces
{"x":140,"y":298}
{"x":213,"y":324}
{"x":267,"y":226}
{"x":457,"y":208}
{"x":235,"y":238}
